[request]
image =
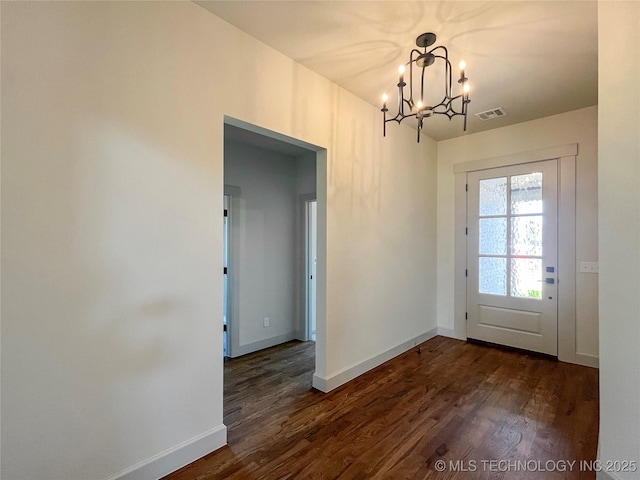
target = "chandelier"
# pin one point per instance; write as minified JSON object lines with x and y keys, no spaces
{"x":414,"y":106}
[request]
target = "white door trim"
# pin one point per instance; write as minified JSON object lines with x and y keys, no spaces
{"x":570,"y":150}
{"x":566,"y":155}
{"x":311,"y":226}
{"x":233,"y":287}
{"x":302,"y":305}
{"x":321,"y":156}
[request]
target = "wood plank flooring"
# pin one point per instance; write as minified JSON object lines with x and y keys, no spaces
{"x":475,"y":405}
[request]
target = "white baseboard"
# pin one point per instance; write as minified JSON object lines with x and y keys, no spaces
{"x":262,"y":344}
{"x":177,"y":457}
{"x":450,"y":333}
{"x":579,"y":358}
{"x":349,"y":373}
{"x":587,"y":360}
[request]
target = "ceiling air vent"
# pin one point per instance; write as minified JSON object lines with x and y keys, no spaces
{"x":491,"y":114}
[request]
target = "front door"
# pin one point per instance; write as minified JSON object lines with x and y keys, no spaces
{"x":512,"y":256}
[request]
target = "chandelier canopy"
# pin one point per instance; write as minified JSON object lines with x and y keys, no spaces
{"x":414,"y":104}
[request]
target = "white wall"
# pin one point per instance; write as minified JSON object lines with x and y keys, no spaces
{"x":619,"y":230}
{"x":381,"y":269}
{"x":112,"y":150}
{"x":264,"y":233}
{"x":579,"y":126}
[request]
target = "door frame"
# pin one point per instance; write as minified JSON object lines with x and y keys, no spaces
{"x":303,"y":298}
{"x":536,"y":318}
{"x":566,"y":266}
{"x":233,"y":330}
{"x":322,"y":160}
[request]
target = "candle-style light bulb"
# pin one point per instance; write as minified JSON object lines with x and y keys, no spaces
{"x":462,"y":66}
{"x":466,"y":88}
{"x":401,"y":72}
{"x":385,"y":97}
{"x":419,"y":105}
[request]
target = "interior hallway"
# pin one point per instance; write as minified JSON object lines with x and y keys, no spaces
{"x":454,"y":401}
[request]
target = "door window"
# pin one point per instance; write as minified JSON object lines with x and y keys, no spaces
{"x":510,"y":239}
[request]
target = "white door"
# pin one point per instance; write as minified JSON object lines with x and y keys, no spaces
{"x":512,"y":256}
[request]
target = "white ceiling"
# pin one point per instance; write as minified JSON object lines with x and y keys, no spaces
{"x":533,"y":58}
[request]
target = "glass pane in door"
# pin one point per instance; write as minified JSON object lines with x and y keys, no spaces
{"x":493,"y":196}
{"x":493,"y":275}
{"x":526,"y":277}
{"x":526,"y":193}
{"x":493,"y":236}
{"x":526,"y":235}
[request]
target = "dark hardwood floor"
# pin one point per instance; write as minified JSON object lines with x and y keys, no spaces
{"x":499,"y":414}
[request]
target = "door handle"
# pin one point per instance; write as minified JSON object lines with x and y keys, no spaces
{"x":550,"y":280}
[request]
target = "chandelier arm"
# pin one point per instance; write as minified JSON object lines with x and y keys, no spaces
{"x":465,"y":101}
{"x":448,"y":110}
{"x":411,"y":62}
{"x":410,"y":83}
{"x":448,"y":107}
{"x":445,"y":102}
{"x":399,"y":118}
{"x":440,"y":47}
{"x":422,"y":87}
{"x":416,"y":51}
{"x":447,"y":70}
{"x":447,"y":74}
{"x":401,"y":84}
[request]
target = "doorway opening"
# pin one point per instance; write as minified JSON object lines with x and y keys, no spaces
{"x":274,"y":246}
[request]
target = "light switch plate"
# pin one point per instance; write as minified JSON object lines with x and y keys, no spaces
{"x":588,"y":267}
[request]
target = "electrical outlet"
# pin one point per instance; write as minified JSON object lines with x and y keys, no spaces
{"x":266,"y":322}
{"x":588,"y":267}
